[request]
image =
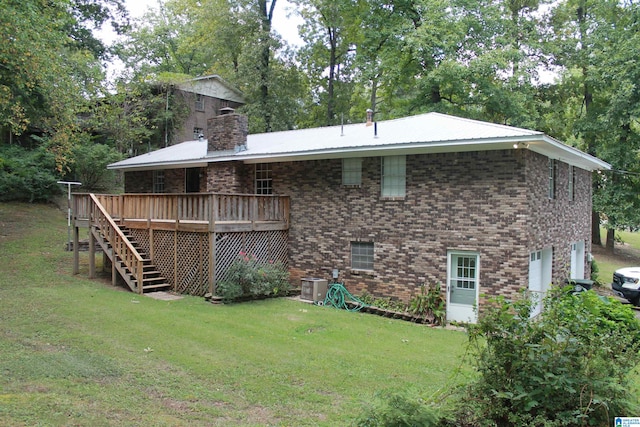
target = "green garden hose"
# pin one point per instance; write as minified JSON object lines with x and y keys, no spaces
{"x":338,"y":296}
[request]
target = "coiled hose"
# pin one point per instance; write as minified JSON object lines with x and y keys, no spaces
{"x":338,"y":296}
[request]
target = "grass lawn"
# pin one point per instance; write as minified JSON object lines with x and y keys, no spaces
{"x":626,"y":254}
{"x":76,"y":352}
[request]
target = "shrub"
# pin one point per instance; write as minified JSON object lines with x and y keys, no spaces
{"x":248,"y":277}
{"x":568,"y":368}
{"x":27,"y":175}
{"x":429,"y":302}
{"x":397,"y":410}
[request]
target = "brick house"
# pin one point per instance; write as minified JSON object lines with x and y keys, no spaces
{"x":484,"y":209}
{"x":205,"y":97}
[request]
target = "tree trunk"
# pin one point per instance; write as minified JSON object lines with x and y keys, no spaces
{"x":611,"y":234}
{"x":373,"y":100}
{"x":596,"y":239}
{"x":267,"y":18}
{"x":333,"y":59}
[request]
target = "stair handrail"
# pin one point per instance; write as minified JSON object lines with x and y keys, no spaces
{"x":120,"y":245}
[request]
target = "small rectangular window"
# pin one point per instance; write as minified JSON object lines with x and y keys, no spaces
{"x":263,"y":180}
{"x":552,"y":179}
{"x":158,"y":181}
{"x":352,"y":171}
{"x":572,"y":183}
{"x":199,"y":102}
{"x":394,"y":176}
{"x":362,"y":256}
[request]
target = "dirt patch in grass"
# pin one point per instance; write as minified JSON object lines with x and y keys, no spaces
{"x":622,"y":252}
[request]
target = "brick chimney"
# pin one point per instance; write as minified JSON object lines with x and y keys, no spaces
{"x":227,"y":132}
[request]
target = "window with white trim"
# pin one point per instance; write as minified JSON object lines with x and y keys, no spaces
{"x":362,"y":256}
{"x":572,"y":184}
{"x":552,"y":179}
{"x":352,"y":171}
{"x":394,"y":176}
{"x":158,"y":181}
{"x":263,"y":179}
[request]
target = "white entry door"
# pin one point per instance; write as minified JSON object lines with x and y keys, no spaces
{"x":535,"y":281}
{"x":462,"y":286}
{"x":577,"y":260}
{"x":540,"y":265}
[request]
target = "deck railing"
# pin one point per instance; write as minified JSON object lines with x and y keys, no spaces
{"x":120,"y":245}
{"x":205,"y":207}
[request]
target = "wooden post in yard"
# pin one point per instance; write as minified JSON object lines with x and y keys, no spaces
{"x":212,"y":243}
{"x":92,"y":256}
{"x":76,"y":249}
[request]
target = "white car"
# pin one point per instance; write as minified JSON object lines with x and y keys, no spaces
{"x":626,"y":284}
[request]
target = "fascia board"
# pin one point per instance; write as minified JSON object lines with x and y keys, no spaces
{"x":541,"y":144}
{"x":200,"y":163}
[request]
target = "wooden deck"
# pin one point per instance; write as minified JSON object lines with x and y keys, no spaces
{"x":187,"y":237}
{"x":189,"y":212}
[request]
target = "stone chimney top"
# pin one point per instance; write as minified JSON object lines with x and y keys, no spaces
{"x":227,"y":132}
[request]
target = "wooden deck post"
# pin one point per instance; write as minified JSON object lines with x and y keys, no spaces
{"x":76,"y":249}
{"x":212,"y":243}
{"x":92,"y":256}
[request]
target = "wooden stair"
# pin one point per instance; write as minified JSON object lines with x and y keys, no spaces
{"x":152,"y":280}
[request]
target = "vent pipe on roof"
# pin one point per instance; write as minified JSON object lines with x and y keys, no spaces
{"x":375,"y":129}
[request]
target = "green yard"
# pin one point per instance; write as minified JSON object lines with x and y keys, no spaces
{"x":82,"y":353}
{"x":626,"y":254}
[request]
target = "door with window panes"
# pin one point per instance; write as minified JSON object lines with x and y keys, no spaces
{"x":462,"y":286}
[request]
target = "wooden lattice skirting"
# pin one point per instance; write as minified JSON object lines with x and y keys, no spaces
{"x":184,"y":258}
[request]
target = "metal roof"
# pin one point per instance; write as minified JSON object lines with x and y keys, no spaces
{"x":424,"y":133}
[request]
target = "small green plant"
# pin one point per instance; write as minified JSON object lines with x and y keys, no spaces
{"x":595,"y":270}
{"x":429,"y":302}
{"x":383,"y":303}
{"x":248,"y":277}
{"x":397,"y":410}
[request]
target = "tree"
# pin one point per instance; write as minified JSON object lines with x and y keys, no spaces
{"x":593,"y":42}
{"x":232,"y":39}
{"x":89,"y":165}
{"x":331,"y":32}
{"x":46,"y":76}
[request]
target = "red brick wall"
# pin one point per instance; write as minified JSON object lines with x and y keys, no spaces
{"x":494,"y":203}
{"x":227,"y":132}
{"x":142,"y":181}
{"x":229,"y":177}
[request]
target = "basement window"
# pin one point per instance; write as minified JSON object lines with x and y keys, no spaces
{"x":362,"y":256}
{"x":352,"y":172}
